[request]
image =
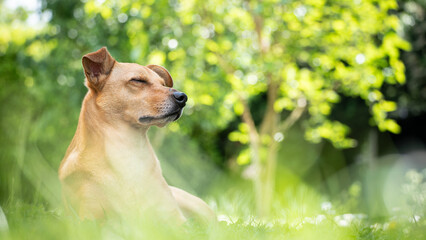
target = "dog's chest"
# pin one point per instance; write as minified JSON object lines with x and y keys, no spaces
{"x":136,"y":179}
{"x":132,"y":164}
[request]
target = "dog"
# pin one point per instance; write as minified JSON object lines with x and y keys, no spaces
{"x":110,"y":168}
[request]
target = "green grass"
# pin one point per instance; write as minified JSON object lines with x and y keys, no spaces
{"x":298,"y":212}
{"x":35,"y":221}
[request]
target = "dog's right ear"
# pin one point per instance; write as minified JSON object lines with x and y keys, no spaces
{"x":97,"y":66}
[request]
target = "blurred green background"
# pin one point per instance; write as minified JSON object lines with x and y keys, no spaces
{"x":296,"y":108}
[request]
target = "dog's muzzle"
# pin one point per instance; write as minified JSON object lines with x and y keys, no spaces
{"x":180,"y":99}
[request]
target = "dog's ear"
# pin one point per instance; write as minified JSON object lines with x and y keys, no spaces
{"x":163,"y":73}
{"x":97,"y":66}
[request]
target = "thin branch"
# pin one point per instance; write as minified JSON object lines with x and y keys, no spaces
{"x":248,"y":119}
{"x":270,"y":117}
{"x":294,"y":116}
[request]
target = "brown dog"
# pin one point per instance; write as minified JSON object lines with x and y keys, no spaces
{"x":110,"y":167}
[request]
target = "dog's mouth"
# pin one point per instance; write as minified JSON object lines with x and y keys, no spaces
{"x":173,"y":116}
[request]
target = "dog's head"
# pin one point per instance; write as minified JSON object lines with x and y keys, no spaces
{"x":139,"y":95}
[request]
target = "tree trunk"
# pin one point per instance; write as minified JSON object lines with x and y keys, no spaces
{"x":265,"y":178}
{"x":264,"y":181}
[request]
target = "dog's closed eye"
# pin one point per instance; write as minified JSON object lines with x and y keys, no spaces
{"x":138,"y":80}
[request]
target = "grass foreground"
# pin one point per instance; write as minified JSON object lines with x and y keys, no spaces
{"x":29,"y":221}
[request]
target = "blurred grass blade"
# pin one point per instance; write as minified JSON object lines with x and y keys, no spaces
{"x":3,"y":221}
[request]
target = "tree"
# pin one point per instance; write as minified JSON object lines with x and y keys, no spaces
{"x":303,"y":55}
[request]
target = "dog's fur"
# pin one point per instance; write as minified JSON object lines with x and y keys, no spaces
{"x":110,"y":167}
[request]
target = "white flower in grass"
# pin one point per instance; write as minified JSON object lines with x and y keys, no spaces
{"x":385,"y":226}
{"x":314,"y":220}
{"x":319,"y":219}
{"x":226,"y":218}
{"x":308,"y":220}
{"x":348,"y":217}
{"x":341,"y":221}
{"x":326,"y":206}
{"x":299,"y":226}
{"x":376,"y":227}
{"x":282,"y":221}
{"x":415,"y":219}
{"x":269,"y":225}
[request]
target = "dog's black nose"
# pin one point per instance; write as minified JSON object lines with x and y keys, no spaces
{"x":180,"y":98}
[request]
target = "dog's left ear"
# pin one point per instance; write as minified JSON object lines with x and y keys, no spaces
{"x":97,"y":66}
{"x":163,"y":73}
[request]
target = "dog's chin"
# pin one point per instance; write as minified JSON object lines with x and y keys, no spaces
{"x":161,"y":120}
